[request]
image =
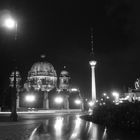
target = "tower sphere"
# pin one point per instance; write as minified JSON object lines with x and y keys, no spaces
{"x":92,"y":63}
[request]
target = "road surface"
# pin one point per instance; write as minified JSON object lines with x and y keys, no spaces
{"x":58,"y":126}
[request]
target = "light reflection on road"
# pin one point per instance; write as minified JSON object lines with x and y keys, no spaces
{"x":66,"y":128}
{"x":58,"y":126}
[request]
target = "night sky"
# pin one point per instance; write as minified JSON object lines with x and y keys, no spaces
{"x":61,"y":31}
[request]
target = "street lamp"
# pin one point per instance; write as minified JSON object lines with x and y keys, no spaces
{"x":30,"y":98}
{"x":8,"y":22}
{"x":107,"y":97}
{"x":58,"y":100}
{"x":78,"y":101}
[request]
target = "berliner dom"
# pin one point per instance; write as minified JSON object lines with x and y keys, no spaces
{"x":44,"y":89}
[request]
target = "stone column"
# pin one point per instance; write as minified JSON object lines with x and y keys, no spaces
{"x":17,"y":101}
{"x":82,"y":105}
{"x":45,"y":101}
{"x":67,"y":102}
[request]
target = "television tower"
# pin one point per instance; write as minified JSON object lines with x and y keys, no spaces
{"x":92,"y":63}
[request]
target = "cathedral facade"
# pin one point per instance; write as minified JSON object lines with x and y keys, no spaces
{"x":44,"y":89}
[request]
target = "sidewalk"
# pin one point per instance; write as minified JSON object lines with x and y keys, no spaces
{"x":23,"y":128}
{"x":45,"y":111}
{"x":33,"y":115}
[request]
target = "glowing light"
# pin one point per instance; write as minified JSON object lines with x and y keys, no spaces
{"x":77,"y":101}
{"x":58,"y":90}
{"x":58,"y":100}
{"x":115,"y":94}
{"x":104,"y":137}
{"x":92,"y":63}
{"x":58,"y":123}
{"x":100,"y":104}
{"x":117,"y":103}
{"x":76,"y":130}
{"x":91,"y":103}
{"x":90,"y":111}
{"x":121,"y":101}
{"x":107,"y":97}
{"x":93,"y":128}
{"x":9,"y":23}
{"x":30,"y":98}
{"x":104,"y":103}
{"x":127,"y":97}
{"x":74,"y":89}
{"x":58,"y":127}
{"x":104,"y":94}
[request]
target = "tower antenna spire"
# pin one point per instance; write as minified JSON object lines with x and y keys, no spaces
{"x":92,"y":45}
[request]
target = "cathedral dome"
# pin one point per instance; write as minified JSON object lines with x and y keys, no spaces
{"x":42,"y":76}
{"x":42,"y":69}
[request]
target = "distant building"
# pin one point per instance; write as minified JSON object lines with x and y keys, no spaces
{"x":133,"y":94}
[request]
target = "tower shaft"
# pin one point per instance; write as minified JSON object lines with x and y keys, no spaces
{"x":93,"y":84}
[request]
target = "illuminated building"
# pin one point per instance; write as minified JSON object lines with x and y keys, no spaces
{"x":133,"y":94}
{"x":48,"y":89}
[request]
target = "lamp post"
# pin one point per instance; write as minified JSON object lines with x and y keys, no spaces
{"x":10,"y":23}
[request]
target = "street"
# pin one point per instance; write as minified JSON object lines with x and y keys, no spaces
{"x":56,"y":126}
{"x":65,"y":127}
{"x":59,"y":126}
